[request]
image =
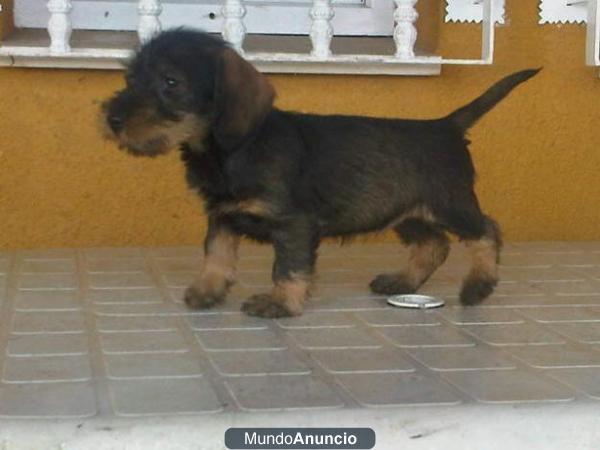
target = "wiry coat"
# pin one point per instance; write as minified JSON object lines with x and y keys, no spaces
{"x":291,"y":179}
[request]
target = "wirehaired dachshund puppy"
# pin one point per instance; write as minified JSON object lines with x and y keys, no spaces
{"x":292,"y":179}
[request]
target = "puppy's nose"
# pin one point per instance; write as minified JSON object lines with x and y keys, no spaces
{"x":116,"y":123}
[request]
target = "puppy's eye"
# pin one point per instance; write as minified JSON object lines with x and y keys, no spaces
{"x":171,"y":82}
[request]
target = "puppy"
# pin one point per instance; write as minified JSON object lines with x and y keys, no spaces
{"x":292,"y":179}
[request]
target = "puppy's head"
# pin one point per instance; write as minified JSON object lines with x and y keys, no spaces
{"x":182,"y":86}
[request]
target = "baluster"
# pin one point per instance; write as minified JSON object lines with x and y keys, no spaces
{"x":321,"y":31}
{"x":234,"y":30}
{"x":405,"y":33}
{"x":149,"y":23}
{"x":59,"y":25}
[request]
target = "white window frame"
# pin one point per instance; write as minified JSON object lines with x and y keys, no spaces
{"x":352,"y":17}
{"x":59,"y":52}
{"x":593,"y":34}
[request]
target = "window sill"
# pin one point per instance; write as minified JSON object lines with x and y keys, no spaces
{"x":270,"y":54}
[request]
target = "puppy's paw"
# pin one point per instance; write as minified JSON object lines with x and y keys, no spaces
{"x":196,"y":298}
{"x":264,"y":305}
{"x":476,"y":289}
{"x":391,"y":284}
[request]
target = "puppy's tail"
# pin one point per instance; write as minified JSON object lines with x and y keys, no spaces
{"x":468,"y":115}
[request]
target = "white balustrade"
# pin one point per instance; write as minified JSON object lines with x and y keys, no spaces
{"x":59,"y":25}
{"x":405,"y":32}
{"x":321,"y":31}
{"x":234,"y":30}
{"x":149,"y":22}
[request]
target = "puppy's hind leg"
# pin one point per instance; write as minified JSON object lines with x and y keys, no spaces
{"x":428,"y":246}
{"x":485,"y":255}
{"x":295,"y":255}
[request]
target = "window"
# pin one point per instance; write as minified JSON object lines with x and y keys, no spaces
{"x":352,"y":17}
{"x":593,"y":33}
{"x":371,"y":36}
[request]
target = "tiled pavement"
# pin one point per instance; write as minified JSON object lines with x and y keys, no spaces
{"x":103,"y":333}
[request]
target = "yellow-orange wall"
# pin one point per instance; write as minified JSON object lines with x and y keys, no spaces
{"x":537,"y":153}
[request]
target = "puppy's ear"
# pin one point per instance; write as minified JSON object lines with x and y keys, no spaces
{"x":243,"y":97}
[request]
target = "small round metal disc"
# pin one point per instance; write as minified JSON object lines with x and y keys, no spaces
{"x":415,"y":301}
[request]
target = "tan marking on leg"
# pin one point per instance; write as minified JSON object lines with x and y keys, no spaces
{"x":483,"y":276}
{"x":484,"y":258}
{"x":292,"y":293}
{"x":425,"y":258}
{"x":218,"y":270}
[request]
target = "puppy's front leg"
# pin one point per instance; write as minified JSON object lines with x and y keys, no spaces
{"x":218,"y":268}
{"x":295,"y":255}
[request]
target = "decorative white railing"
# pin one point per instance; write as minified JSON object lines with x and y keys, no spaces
{"x":321,"y":59}
{"x":593,"y":33}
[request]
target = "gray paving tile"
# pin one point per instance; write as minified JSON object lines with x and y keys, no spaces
{"x":344,"y":347}
{"x":116,"y":265}
{"x":322,"y":319}
{"x":157,"y":365}
{"x":393,"y":317}
{"x":113,"y":252}
{"x":136,"y":323}
{"x":474,"y":316}
{"x":261,"y":362}
{"x":462,"y":358}
{"x":118,"y":296}
{"x":334,"y":277}
{"x":346,"y":303}
{"x":542,"y":300}
{"x":557,"y":356}
{"x":47,"y":400}
{"x":575,"y":287}
{"x":177,"y":252}
{"x":255,"y":279}
{"x":47,"y":301}
{"x":44,"y":281}
{"x":397,"y":389}
{"x":288,"y":392}
{"x":120,"y":280}
{"x":143,"y":397}
{"x":357,"y":360}
{"x":586,"y":380}
{"x":48,"y":322}
{"x":51,"y":253}
{"x":318,"y":338}
{"x":143,"y":342}
{"x":45,"y":369}
{"x":47,"y":344}
{"x":59,"y":265}
{"x":514,"y":334}
{"x":178,"y":264}
{"x":509,"y":386}
{"x":240,"y":340}
{"x":233,"y":321}
{"x":518,"y":288}
{"x":588,"y":332}
{"x":136,"y":309}
{"x":179,"y":279}
{"x":425,"y":336}
{"x":562,"y":314}
{"x":536,"y":273}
